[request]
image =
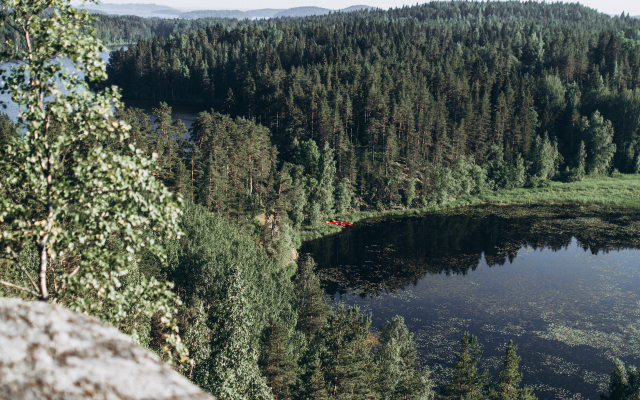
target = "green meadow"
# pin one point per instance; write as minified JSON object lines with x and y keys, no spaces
{"x":594,"y":191}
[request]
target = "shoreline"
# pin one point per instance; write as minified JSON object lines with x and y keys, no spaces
{"x":597,"y":192}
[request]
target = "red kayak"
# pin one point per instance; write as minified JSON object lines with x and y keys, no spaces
{"x":340,"y":223}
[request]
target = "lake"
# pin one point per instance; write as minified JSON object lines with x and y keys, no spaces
{"x":187,"y":113}
{"x":565,"y":289}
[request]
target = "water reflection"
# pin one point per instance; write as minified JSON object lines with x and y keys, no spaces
{"x":564,"y":289}
{"x":390,"y":254}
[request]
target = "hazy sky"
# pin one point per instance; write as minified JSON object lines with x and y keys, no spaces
{"x":606,"y":6}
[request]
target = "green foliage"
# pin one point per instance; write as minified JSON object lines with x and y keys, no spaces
{"x":623,"y":384}
{"x":410,"y":192}
{"x":278,"y":361}
{"x":509,"y":379}
{"x":545,"y":158}
{"x":324,"y":193}
{"x":311,"y":305}
{"x":597,"y":134}
{"x":399,"y":376}
{"x":74,"y":189}
{"x":578,"y":173}
{"x":346,"y":357}
{"x":7,"y":129}
{"x":343,"y":196}
{"x":466,"y":382}
{"x":239,"y":291}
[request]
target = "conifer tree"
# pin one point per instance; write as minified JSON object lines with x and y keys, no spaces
{"x":623,"y":384}
{"x":597,"y":134}
{"x":325,"y":185}
{"x":347,"y":363}
{"x":509,"y":379}
{"x":399,"y":377}
{"x":311,"y":305}
{"x":298,"y":196}
{"x":313,"y":384}
{"x":410,"y":192}
{"x":343,"y":195}
{"x":279,"y":356}
{"x":466,"y":383}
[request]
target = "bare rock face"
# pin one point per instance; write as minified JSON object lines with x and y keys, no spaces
{"x":49,"y":352}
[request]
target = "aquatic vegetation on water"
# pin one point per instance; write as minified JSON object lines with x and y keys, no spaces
{"x":562,"y":282}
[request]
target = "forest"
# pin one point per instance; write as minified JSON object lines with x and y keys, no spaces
{"x":406,"y":107}
{"x":412,"y":107}
{"x":310,"y":118}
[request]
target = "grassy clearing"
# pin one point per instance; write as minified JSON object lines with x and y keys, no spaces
{"x":621,"y":191}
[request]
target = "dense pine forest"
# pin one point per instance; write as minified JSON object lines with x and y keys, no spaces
{"x":418,"y":105}
{"x":313,"y":117}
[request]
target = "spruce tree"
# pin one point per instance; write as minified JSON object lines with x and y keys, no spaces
{"x":278,"y":359}
{"x":598,"y":136}
{"x":399,"y":377}
{"x":623,"y":384}
{"x":311,"y":305}
{"x":410,"y":193}
{"x":325,"y":184}
{"x":466,"y":383}
{"x":343,"y":195}
{"x":313,"y":385}
{"x":509,"y":379}
{"x":348,"y":367}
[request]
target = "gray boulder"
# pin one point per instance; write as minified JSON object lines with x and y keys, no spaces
{"x":50,"y":352}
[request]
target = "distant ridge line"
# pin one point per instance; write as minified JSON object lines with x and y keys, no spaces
{"x":154,"y":10}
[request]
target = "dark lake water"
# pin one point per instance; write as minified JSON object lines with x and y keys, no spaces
{"x":569,"y":298}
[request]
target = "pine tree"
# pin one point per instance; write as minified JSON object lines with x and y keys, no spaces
{"x":399,"y":377}
{"x":313,"y":384}
{"x":410,"y":193}
{"x":311,"y":305}
{"x":343,"y":195}
{"x":325,"y":185}
{"x":278,"y":360}
{"x":509,"y":379}
{"x":347,"y":363}
{"x":623,"y":384}
{"x":466,"y":383}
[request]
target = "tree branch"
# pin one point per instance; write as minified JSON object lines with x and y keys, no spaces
{"x":23,"y":269}
{"x":20,"y":288}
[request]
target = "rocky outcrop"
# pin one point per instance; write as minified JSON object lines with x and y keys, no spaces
{"x":50,"y":352}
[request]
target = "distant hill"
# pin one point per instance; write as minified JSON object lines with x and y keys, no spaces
{"x":357,"y":8}
{"x":302,"y":12}
{"x":215,"y":14}
{"x":157,"y":11}
{"x":267,"y":12}
{"x":140,"y":10}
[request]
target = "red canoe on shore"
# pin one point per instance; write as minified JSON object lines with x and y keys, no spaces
{"x":340,"y":223}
